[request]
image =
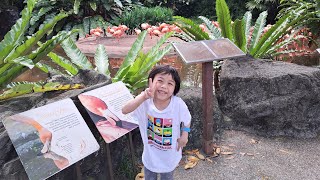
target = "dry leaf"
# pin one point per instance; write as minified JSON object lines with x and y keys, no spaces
{"x":226,"y":153}
{"x":218,"y":150}
{"x":192,"y":158}
{"x":195,"y":150}
{"x":190,"y":165}
{"x":188,"y":152}
{"x":230,"y":157}
{"x":208,"y":159}
{"x":139,"y":176}
{"x":226,"y":148}
{"x":200,"y":156}
{"x":253,"y":141}
{"x":284,"y":151}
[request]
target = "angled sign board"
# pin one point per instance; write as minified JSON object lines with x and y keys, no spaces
{"x":207,"y":50}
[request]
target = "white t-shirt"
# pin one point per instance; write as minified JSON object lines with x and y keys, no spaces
{"x":160,"y":131}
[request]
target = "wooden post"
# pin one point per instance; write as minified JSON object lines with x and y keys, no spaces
{"x":207,"y":106}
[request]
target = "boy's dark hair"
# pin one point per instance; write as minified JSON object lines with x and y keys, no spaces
{"x":167,"y":69}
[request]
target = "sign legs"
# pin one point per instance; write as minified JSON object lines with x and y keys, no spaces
{"x":109,"y":163}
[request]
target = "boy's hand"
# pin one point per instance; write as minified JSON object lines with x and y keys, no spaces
{"x":149,"y":92}
{"x":182,"y":141}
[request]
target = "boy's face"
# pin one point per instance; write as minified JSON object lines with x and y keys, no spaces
{"x":164,"y":87}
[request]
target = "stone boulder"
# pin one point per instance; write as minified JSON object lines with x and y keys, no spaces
{"x":270,"y":97}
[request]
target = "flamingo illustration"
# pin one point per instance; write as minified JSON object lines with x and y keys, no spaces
{"x":99,"y":107}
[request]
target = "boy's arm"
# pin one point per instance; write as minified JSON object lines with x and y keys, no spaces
{"x":134,"y":103}
{"x":183,"y":140}
{"x":144,"y":95}
{"x":185,"y":133}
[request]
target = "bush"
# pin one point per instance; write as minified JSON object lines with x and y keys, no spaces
{"x":138,"y":15}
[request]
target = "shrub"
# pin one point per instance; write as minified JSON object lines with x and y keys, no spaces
{"x":137,"y":16}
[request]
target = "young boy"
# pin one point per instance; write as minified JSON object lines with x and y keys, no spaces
{"x":160,"y":114}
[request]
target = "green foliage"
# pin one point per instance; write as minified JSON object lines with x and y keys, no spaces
{"x":18,"y":53}
{"x":132,"y":71}
{"x":138,"y":15}
{"x":215,"y":32}
{"x":190,"y":28}
{"x":258,"y":29}
{"x":238,"y":34}
{"x":261,"y":5}
{"x":21,"y":88}
{"x":101,"y":60}
{"x":75,"y":54}
{"x":310,"y":6}
{"x":84,"y":15}
{"x":224,"y":19}
{"x":137,"y":64}
{"x":260,"y":45}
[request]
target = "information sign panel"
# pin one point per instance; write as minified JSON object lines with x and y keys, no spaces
{"x":104,"y":106}
{"x":207,"y":50}
{"x":50,"y":138}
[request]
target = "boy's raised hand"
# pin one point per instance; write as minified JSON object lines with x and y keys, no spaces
{"x":151,"y":89}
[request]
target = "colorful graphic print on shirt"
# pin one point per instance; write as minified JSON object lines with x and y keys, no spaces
{"x":159,"y":132}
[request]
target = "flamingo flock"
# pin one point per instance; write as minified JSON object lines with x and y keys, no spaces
{"x":301,"y":45}
{"x":121,"y":30}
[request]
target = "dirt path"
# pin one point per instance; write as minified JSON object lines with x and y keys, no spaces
{"x":259,"y":158}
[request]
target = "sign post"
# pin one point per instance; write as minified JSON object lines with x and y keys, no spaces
{"x":206,"y":52}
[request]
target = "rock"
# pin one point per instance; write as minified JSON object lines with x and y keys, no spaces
{"x":193,"y":98}
{"x":271,"y":98}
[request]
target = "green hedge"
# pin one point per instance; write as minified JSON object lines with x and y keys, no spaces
{"x":137,"y":16}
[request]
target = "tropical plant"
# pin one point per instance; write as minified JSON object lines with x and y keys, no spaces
{"x":133,"y":69}
{"x":85,"y":15}
{"x":137,"y":63}
{"x":19,"y":52}
{"x":309,"y":5}
{"x":167,"y":3}
{"x":261,"y":5}
{"x":138,"y":15}
{"x":256,"y":44}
